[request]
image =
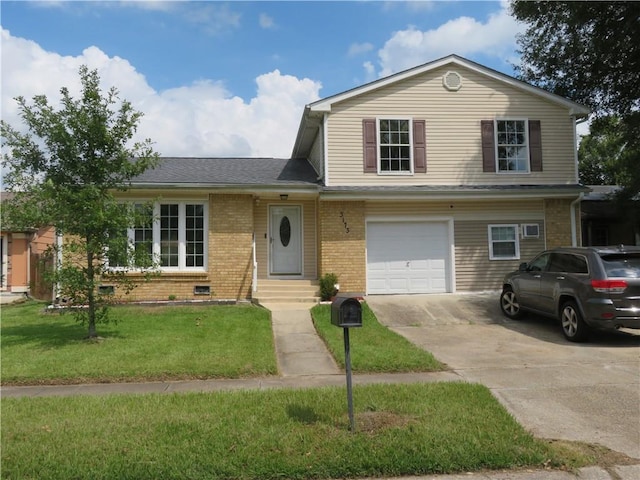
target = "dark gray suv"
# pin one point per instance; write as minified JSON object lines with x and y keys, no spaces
{"x":584,"y":287}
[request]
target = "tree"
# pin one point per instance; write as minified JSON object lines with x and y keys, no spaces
{"x":600,"y":152}
{"x":588,"y":52}
{"x":64,"y":173}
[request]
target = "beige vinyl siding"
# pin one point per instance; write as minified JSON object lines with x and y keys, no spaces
{"x":261,"y":216}
{"x":473,"y":269}
{"x":454,"y":154}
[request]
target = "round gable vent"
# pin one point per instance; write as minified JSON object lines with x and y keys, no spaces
{"x":452,"y":81}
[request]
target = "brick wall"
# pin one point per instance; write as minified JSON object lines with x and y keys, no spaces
{"x":558,"y":222}
{"x":230,"y":245}
{"x":342,"y":243}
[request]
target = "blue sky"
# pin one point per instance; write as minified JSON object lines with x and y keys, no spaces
{"x":232,"y":78}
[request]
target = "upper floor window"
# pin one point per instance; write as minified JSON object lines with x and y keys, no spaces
{"x":512,"y":146}
{"x":395,"y":146}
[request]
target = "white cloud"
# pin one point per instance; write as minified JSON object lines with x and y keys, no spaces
{"x":359,"y":48}
{"x":201,"y":119}
{"x":464,"y":36}
{"x":266,"y":21}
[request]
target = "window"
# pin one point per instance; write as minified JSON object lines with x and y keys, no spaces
{"x":511,"y":143}
{"x":503,"y":242}
{"x":133,"y":247}
{"x":395,"y":146}
{"x":568,"y":263}
{"x":173,"y":234}
{"x":182,"y":233}
{"x":539,"y":264}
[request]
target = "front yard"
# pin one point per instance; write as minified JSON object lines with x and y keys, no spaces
{"x":147,"y":343}
{"x":264,"y":434}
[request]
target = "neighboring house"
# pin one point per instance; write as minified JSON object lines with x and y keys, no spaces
{"x":22,"y":252}
{"x":605,"y":221}
{"x":437,"y":179}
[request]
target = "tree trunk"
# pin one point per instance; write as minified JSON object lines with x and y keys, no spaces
{"x":91,"y":306}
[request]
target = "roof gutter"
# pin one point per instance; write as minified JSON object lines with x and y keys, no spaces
{"x":450,"y":195}
{"x":235,"y":188}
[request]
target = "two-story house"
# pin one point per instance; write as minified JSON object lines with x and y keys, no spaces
{"x":437,"y":179}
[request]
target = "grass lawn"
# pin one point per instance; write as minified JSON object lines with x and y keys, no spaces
{"x":374,"y":348}
{"x":400,"y":430}
{"x":146,"y":343}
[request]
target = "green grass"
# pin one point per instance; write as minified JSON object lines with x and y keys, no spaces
{"x":374,"y":348}
{"x":146,"y":343}
{"x":400,"y":430}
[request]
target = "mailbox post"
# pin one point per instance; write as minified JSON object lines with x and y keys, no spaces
{"x":346,"y":312}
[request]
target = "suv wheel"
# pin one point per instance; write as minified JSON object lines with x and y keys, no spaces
{"x":509,"y":304}
{"x":573,"y":326}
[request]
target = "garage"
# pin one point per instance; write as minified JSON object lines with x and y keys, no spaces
{"x":408,"y":257}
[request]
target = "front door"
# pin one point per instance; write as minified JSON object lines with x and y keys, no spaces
{"x":285,"y":239}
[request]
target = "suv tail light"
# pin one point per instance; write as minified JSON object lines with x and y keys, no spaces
{"x":609,"y":286}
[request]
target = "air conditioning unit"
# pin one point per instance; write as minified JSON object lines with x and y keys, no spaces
{"x":530,"y":230}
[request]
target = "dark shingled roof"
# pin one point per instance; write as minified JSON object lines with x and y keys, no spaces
{"x":229,"y":171}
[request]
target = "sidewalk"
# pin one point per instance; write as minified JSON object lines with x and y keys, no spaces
{"x":304,"y":362}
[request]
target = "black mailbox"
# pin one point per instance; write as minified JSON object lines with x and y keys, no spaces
{"x":346,"y":312}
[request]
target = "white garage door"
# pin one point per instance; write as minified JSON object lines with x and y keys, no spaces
{"x":407,"y":257}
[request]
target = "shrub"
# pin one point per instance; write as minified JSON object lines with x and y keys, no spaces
{"x":328,"y":286}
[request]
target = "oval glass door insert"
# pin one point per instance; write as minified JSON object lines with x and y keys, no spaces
{"x":285,"y":231}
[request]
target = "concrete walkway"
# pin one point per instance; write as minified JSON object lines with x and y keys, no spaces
{"x":299,"y":349}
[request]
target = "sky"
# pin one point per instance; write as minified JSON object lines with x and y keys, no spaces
{"x":231,"y":79}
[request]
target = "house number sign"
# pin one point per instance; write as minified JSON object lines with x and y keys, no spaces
{"x":344,"y":222}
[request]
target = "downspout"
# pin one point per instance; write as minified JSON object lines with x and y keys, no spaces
{"x":576,"y":203}
{"x":255,"y":264}
{"x":325,"y":147}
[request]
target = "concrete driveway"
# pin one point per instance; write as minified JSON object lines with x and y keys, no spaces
{"x":556,"y":389}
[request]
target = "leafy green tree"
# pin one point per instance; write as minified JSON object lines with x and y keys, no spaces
{"x":589,"y":52}
{"x":600,"y":152}
{"x":64,"y":172}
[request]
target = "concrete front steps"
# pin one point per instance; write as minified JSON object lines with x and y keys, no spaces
{"x":275,"y":291}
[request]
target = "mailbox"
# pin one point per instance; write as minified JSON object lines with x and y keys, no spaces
{"x":346,"y":312}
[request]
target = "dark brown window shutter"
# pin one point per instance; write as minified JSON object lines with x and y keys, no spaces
{"x":488,"y":146}
{"x":535,"y":146}
{"x":419,"y":147}
{"x":370,"y":145}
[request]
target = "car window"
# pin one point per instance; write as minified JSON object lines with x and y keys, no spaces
{"x":568,"y":263}
{"x":539,"y":264}
{"x":622,"y":265}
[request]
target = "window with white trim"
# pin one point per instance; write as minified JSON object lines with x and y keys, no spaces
{"x":503,"y":242}
{"x":394,"y":145}
{"x":174,"y":235}
{"x":133,"y":247}
{"x":180,"y":235}
{"x":512,"y":147}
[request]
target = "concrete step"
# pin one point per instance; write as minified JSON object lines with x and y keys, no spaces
{"x":285,"y":291}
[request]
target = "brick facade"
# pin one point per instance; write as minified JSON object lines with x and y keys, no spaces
{"x":342,"y":243}
{"x":557,"y":213}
